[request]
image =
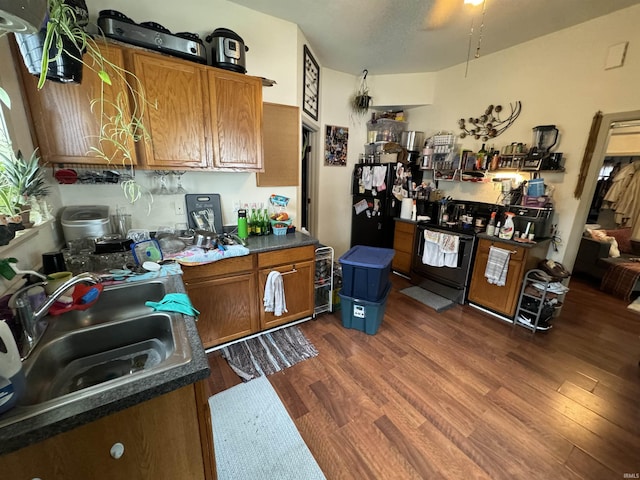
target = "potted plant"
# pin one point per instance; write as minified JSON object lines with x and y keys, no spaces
{"x":55,"y":52}
{"x":361,"y":99}
{"x":66,"y":35}
{"x":25,"y":179}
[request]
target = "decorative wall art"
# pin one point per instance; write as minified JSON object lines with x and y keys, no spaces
{"x":311,"y":85}
{"x":335,"y":146}
{"x":489,"y":124}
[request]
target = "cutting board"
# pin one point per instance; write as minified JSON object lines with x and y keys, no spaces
{"x":198,"y":202}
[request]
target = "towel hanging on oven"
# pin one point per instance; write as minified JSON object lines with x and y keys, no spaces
{"x":497,"y":266}
{"x":440,"y":249}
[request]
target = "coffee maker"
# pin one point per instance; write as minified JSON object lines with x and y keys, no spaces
{"x":540,"y":157}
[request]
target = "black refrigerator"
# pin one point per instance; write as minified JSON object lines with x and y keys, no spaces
{"x":373,"y":204}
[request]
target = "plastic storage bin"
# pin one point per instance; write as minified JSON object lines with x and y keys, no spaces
{"x":365,"y":272}
{"x":363,"y":315}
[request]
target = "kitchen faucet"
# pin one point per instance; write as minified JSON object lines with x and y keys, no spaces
{"x":33,"y":325}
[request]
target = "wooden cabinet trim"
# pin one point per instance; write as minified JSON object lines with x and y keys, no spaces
{"x":286,"y":256}
{"x":229,"y":266}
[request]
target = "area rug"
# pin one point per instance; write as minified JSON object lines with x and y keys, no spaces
{"x":268,"y":353}
{"x":430,"y":299}
{"x":255,"y":438}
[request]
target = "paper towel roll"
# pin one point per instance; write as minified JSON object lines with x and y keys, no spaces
{"x":406,"y":208}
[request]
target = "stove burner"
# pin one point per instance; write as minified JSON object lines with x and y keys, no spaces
{"x":117,"y":15}
{"x":190,"y":36}
{"x":155,"y":26}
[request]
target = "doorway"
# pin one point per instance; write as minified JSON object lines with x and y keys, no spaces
{"x":309,"y":181}
{"x":609,"y":122}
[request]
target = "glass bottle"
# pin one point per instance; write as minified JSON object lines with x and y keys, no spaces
{"x":250,"y":222}
{"x":481,"y":158}
{"x":257,"y":225}
{"x":266,"y":222}
{"x":491,"y":226}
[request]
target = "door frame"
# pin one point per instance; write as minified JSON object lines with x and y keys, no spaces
{"x":309,"y":178}
{"x":599,"y":154}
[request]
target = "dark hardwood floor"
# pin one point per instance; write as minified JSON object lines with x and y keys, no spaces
{"x":462,"y":395}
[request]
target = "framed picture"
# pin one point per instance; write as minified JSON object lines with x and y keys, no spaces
{"x":311,"y":85}
{"x":335,"y":146}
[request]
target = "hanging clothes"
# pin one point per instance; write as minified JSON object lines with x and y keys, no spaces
{"x":624,"y":196}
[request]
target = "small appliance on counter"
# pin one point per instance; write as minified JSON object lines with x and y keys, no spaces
{"x":540,"y":157}
{"x":538,"y":219}
{"x":227,"y":50}
{"x":85,"y":221}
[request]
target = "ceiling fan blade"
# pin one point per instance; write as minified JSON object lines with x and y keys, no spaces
{"x":441,"y":13}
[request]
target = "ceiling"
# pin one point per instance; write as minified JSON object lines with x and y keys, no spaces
{"x":390,"y":36}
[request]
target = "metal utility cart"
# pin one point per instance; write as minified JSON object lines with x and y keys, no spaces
{"x":323,"y":282}
{"x":541,"y":297}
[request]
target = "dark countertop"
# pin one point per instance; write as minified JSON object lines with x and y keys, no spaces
{"x":538,"y":242}
{"x":272,"y":242}
{"x":49,"y":423}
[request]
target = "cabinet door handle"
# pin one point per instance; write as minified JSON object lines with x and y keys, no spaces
{"x":117,"y":450}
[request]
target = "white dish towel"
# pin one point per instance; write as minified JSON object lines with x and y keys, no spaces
{"x":431,"y":254}
{"x":274,"y":300}
{"x":497,"y":266}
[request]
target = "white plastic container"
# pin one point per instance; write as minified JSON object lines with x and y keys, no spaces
{"x":12,"y":381}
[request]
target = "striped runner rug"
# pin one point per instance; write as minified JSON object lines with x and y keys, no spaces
{"x":268,"y":353}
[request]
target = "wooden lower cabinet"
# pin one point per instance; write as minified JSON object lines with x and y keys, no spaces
{"x":161,"y":440}
{"x":403,"y":240}
{"x":226,"y":294}
{"x":229,"y":294}
{"x":502,"y":299}
{"x":298,"y":287}
{"x":298,"y":268}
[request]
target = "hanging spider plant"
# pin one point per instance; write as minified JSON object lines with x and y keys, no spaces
{"x":361,"y":99}
{"x":120,"y":119}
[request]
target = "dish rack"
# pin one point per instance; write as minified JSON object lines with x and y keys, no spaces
{"x":323,"y":281}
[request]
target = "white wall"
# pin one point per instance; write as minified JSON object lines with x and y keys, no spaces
{"x":560,"y":79}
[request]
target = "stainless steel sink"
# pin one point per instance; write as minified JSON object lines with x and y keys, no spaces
{"x":108,"y":352}
{"x":115,"y":303}
{"x":115,"y":341}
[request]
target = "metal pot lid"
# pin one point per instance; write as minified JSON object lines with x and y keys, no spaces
{"x":224,"y":32}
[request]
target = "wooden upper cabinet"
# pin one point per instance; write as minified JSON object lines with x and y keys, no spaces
{"x":236,"y":119}
{"x":281,"y":146}
{"x":64,"y":125}
{"x":176,"y":116}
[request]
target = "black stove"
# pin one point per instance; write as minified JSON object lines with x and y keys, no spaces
{"x":152,"y":35}
{"x":452,"y":228}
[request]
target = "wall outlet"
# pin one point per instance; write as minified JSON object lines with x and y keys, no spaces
{"x":236,"y":206}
